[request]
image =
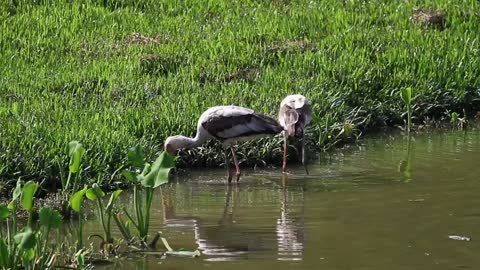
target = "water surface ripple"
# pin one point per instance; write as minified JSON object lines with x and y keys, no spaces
{"x":389,"y":203}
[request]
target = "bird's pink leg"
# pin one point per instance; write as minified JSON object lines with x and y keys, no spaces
{"x":237,"y":166}
{"x":285,"y":149}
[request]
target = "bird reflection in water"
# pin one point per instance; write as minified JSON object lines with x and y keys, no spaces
{"x":290,"y":232}
{"x":232,"y":239}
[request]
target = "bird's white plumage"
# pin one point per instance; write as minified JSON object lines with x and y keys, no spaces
{"x":296,"y":102}
{"x":227,"y":124}
{"x":294,"y":115}
{"x":223,"y":111}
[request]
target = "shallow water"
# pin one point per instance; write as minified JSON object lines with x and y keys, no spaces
{"x":373,"y":206}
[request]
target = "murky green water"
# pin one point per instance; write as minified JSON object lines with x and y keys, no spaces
{"x":374,"y":206}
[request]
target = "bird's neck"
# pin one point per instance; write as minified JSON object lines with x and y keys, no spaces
{"x":193,"y":142}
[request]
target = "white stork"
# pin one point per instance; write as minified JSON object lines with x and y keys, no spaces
{"x":227,"y":124}
{"x":294,"y":115}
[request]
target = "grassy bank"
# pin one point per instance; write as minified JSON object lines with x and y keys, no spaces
{"x":113,"y":74}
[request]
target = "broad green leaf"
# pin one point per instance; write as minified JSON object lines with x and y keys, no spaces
{"x":4,"y":211}
{"x":29,"y":254}
{"x":16,"y":194}
{"x":50,"y":218}
{"x":112,"y":200}
{"x":4,"y":255}
{"x":149,"y":179}
{"x":76,"y":199}
{"x":158,"y":174}
{"x":75,"y":151}
{"x":162,"y":177}
{"x":167,"y":162}
{"x":28,"y":193}
{"x":25,"y":239}
{"x":95,"y":192}
{"x":140,"y":178}
{"x":131,"y":176}
{"x":406,"y":95}
{"x":146,"y":168}
{"x":135,"y":156}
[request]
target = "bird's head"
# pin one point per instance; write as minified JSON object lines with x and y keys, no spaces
{"x":295,"y":101}
{"x":173,"y":144}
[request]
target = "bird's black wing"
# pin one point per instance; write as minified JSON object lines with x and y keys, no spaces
{"x":235,"y":122}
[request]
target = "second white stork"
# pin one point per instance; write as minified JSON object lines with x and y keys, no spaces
{"x":228,"y":124}
{"x":294,"y":115}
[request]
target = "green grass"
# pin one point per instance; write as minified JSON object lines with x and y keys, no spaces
{"x":68,"y":72}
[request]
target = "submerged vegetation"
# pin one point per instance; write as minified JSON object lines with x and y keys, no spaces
{"x":112,"y":74}
{"x":28,"y":245}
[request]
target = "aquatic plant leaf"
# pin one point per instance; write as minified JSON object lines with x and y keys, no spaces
{"x":149,"y":179}
{"x":146,"y":168}
{"x":25,"y":239}
{"x":95,"y":192}
{"x":28,"y":193}
{"x":112,"y":200}
{"x":16,"y":194}
{"x":162,"y":177}
{"x":131,"y":176}
{"x":158,"y":174}
{"x":75,"y":151}
{"x":4,"y":255}
{"x":50,"y":218}
{"x":4,"y":211}
{"x":167,"y":161}
{"x":406,"y":95}
{"x":135,"y":156}
{"x":29,"y":254}
{"x":76,"y":199}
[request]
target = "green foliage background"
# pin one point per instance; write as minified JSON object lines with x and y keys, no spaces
{"x":74,"y":70}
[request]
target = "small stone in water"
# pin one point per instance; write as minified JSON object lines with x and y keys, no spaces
{"x":460,"y":238}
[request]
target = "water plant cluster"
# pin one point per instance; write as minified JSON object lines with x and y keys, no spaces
{"x":27,"y":243}
{"x":118,"y":73}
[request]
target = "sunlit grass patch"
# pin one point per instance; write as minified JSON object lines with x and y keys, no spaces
{"x":118,"y":73}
